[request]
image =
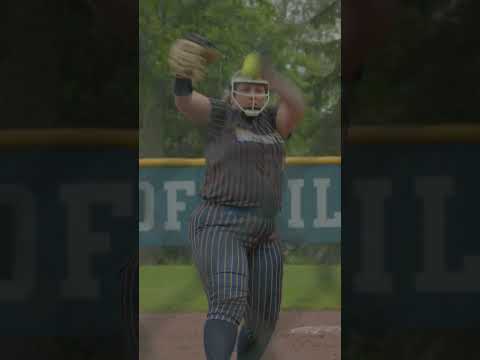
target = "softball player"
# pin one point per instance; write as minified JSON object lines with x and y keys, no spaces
{"x":232,"y":231}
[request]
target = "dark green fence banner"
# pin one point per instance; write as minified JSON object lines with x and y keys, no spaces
{"x":311,"y":212}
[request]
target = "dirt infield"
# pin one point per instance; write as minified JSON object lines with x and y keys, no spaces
{"x":299,"y":336}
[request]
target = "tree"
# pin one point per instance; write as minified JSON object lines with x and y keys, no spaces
{"x":302,"y":37}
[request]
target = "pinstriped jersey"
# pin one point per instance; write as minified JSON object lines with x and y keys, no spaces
{"x":244,"y":159}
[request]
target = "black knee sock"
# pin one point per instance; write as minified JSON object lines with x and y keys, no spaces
{"x":252,"y":347}
{"x":245,"y":340}
{"x":219,"y":339}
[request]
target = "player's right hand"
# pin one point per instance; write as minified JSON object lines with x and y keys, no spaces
{"x":189,"y":57}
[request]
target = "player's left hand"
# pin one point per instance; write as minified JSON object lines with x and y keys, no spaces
{"x":190,"y":56}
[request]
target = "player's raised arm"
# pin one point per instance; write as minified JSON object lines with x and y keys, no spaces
{"x":291,"y":109}
{"x":188,"y":60}
{"x":196,"y":107}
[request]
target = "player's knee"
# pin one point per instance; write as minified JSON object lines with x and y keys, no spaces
{"x":230,"y":308}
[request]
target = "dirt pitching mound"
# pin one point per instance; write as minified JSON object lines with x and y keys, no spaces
{"x":313,"y":335}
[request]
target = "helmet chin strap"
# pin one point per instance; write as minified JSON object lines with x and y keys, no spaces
{"x":250,"y":111}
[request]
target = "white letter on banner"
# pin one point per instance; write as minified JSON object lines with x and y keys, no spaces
{"x":322,"y":219}
{"x":22,"y":202}
{"x":295,"y":187}
{"x":173,"y":205}
{"x":83,"y":243}
{"x":372,"y":194}
{"x":148,"y":221}
{"x":434,"y":192}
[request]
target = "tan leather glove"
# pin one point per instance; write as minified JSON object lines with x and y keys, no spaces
{"x":190,"y":56}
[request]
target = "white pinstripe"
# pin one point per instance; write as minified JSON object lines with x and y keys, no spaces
{"x":224,"y":300}
{"x":209,"y":234}
{"x":258,"y":290}
{"x":225,"y":267}
{"x":193,"y":229}
{"x":216,"y":232}
{"x":195,"y":232}
{"x":264,"y":131}
{"x":269,"y":278}
{"x":237,"y":187}
{"x":204,"y":246}
{"x":275,"y":297}
{"x":280,"y":279}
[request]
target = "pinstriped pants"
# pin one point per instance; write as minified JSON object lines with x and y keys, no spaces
{"x":241,"y":269}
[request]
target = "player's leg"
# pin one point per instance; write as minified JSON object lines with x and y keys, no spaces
{"x":265,"y":285}
{"x":223,"y":268}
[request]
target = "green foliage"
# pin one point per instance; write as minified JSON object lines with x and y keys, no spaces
{"x":301,"y":36}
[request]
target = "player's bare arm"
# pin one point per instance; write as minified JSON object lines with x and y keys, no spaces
{"x":195,"y":107}
{"x":291,"y":109}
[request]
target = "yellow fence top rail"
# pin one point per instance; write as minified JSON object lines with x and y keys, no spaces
{"x":181,"y":162}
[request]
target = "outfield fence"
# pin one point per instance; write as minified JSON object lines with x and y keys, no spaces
{"x":169,"y":192}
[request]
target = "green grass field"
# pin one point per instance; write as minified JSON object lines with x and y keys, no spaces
{"x":176,"y":288}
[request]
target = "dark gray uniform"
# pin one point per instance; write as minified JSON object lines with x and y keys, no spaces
{"x":240,"y":268}
{"x":245,"y":159}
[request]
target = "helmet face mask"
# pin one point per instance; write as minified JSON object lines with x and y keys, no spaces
{"x":265,"y":96}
